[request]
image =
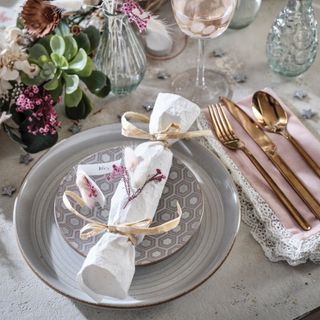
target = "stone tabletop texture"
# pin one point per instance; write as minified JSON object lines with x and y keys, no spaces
{"x":247,"y":286}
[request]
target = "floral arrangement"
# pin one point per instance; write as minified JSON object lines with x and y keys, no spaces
{"x":47,"y":61}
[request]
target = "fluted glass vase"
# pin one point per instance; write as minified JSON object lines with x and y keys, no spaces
{"x":293,"y":39}
{"x":120,"y":54}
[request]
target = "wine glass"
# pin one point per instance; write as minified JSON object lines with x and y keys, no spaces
{"x":202,"y":19}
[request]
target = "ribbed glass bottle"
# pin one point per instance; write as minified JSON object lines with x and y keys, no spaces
{"x":293,"y":39}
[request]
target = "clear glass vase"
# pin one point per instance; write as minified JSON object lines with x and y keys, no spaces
{"x":293,"y":39}
{"x":120,"y":54}
{"x":245,"y":13}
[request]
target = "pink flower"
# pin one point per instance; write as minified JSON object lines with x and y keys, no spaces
{"x":37,"y":104}
{"x":135,"y":14}
{"x":35,"y":89}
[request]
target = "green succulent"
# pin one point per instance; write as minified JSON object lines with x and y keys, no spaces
{"x":64,"y":62}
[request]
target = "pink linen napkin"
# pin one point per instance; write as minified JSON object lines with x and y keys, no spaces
{"x":291,"y":157}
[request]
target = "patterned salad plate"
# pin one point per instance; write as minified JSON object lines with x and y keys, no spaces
{"x":181,"y":186}
{"x":57,"y":263}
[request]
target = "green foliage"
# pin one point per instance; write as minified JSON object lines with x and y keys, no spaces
{"x":39,"y":142}
{"x":64,"y":61}
{"x":81,"y":111}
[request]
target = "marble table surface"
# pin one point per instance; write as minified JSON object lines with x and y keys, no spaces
{"x":247,"y":286}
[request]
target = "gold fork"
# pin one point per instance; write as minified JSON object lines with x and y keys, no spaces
{"x":227,"y":137}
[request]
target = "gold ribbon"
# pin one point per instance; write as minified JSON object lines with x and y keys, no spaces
{"x":130,"y":230}
{"x":171,"y":132}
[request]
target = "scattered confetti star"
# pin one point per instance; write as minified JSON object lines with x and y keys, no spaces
{"x":25,"y":158}
{"x":218,"y":53}
{"x":308,"y":113}
{"x":8,"y":190}
{"x":75,"y":128}
{"x":240,"y":78}
{"x":163,"y":75}
{"x":148,"y":106}
{"x":300,"y":94}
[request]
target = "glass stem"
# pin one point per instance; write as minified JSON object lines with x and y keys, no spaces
{"x":200,"y":81}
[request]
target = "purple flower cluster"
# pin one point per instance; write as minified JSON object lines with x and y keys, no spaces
{"x":92,"y":190}
{"x":37,"y":104}
{"x":121,"y":171}
{"x":135,"y":14}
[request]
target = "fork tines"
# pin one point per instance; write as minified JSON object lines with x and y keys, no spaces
{"x":221,"y":124}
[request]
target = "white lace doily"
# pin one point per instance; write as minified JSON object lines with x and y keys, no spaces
{"x":277,"y":243}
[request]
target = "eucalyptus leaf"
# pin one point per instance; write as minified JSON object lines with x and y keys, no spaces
{"x":96,"y":81}
{"x":86,"y":72}
{"x":71,"y":47}
{"x":94,"y":37}
{"x":101,"y":93}
{"x":58,"y":73}
{"x":73,"y":99}
{"x":62,"y":29}
{"x":43,"y":59}
{"x":56,"y":93}
{"x":57,"y":45}
{"x":59,"y":61}
{"x":79,"y":62}
{"x":83,"y":42}
{"x":81,"y":111}
{"x":48,"y":71}
{"x":72,"y":82}
{"x":36,"y":51}
{"x":52,"y":84}
{"x":45,"y":41}
{"x":38,"y":80}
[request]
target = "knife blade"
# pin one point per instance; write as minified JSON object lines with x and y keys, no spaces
{"x":270,"y":149}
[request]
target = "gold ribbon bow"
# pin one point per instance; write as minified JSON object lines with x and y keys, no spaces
{"x":171,"y":132}
{"x":130,"y":230}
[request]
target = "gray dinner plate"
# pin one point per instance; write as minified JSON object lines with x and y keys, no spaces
{"x":57,"y":264}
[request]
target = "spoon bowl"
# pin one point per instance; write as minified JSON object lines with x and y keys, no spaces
{"x":269,"y":113}
{"x":272,"y":117}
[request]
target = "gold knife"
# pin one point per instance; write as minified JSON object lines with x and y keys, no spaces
{"x":270,"y":149}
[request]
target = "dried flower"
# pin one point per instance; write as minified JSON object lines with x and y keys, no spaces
{"x":135,"y":14}
{"x":75,"y":30}
{"x":13,"y":59}
{"x":92,"y":190}
{"x":121,"y":171}
{"x":37,"y":104}
{"x":40,"y":17}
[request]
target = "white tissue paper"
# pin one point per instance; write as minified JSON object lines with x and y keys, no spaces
{"x":109,"y":267}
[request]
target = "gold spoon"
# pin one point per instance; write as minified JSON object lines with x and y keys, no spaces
{"x":272,"y":117}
